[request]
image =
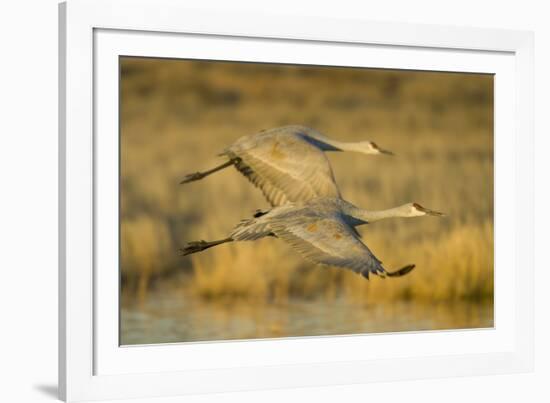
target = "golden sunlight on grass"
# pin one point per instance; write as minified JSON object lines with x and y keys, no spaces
{"x":176,"y":116}
{"x":451,"y":268}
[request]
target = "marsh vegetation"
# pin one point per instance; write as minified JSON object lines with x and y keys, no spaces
{"x":176,"y":116}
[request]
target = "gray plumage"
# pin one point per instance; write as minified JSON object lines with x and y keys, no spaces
{"x":322,"y":230}
{"x":288,"y":164}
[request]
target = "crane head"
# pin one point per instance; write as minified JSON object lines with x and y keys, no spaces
{"x":372,"y":148}
{"x":418,"y":210}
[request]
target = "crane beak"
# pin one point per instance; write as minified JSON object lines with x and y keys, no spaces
{"x":380,"y":150}
{"x":432,"y":212}
{"x":427,"y":211}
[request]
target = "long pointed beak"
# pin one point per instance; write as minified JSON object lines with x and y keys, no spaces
{"x":380,"y":150}
{"x":427,"y":211}
{"x":433,"y":212}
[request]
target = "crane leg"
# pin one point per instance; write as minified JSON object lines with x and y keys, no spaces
{"x":194,"y":247}
{"x":199,"y":175}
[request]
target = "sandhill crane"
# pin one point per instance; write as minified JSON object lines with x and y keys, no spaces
{"x":322,"y":230}
{"x":287,"y":163}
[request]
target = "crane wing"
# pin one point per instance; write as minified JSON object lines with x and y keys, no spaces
{"x":285,"y":167}
{"x":329,"y":240}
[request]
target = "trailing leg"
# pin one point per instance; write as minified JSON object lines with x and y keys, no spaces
{"x":199,"y":246}
{"x":199,"y":175}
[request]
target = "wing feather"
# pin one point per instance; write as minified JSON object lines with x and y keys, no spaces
{"x":285,"y":167}
{"x":327,"y":239}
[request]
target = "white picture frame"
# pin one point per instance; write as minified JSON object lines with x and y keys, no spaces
{"x":93,"y":33}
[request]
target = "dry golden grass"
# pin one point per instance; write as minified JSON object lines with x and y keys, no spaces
{"x":177,"y":115}
{"x":453,"y":267}
{"x":145,"y":243}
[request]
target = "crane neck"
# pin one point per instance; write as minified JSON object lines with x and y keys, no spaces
{"x":367,"y":216}
{"x":328,"y":144}
{"x":346,"y":146}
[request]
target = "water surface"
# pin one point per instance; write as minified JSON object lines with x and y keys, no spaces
{"x":173,"y":316}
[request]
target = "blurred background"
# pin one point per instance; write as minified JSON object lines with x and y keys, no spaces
{"x":177,"y":115}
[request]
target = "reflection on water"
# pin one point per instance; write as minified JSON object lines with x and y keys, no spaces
{"x":174,"y":317}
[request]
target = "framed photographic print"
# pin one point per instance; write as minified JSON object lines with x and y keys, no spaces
{"x":245,"y":206}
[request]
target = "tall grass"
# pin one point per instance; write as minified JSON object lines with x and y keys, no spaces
{"x":453,"y":267}
{"x":177,"y":115}
{"x":144,"y":244}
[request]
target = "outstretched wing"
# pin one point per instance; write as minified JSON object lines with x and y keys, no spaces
{"x":284,"y":166}
{"x":328,"y":239}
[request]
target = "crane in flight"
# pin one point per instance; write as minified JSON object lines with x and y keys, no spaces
{"x":322,"y":230}
{"x":288,"y":163}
